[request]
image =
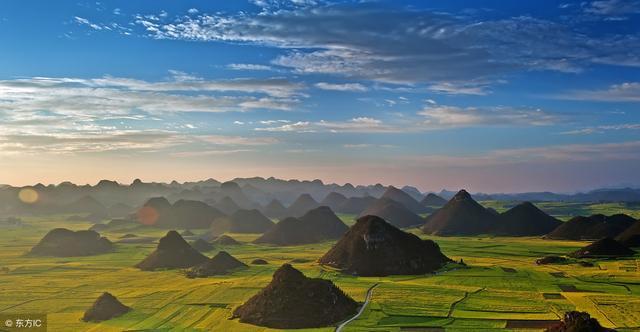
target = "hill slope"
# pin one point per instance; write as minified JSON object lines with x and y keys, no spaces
{"x":405,"y":199}
{"x":62,"y":242}
{"x":595,"y":227}
{"x":461,"y":216}
{"x":373,"y":247}
{"x":293,"y":301}
{"x":526,"y":219}
{"x":393,"y":212}
{"x":319,"y":224}
{"x":173,"y":252}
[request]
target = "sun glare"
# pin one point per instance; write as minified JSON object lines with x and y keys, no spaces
{"x":28,"y":195}
{"x":148,"y":215}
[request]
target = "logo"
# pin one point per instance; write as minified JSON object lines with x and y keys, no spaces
{"x":23,"y":322}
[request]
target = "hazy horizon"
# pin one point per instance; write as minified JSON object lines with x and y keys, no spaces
{"x":488,"y":96}
{"x":126,"y":182}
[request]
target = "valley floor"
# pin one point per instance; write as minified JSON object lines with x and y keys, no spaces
{"x":501,"y":287}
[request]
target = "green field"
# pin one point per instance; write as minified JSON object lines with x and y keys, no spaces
{"x":500,"y":285}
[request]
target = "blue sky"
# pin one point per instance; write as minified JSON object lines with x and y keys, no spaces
{"x":486,"y":95}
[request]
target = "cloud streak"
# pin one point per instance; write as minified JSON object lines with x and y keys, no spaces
{"x":623,"y":92}
{"x":432,"y":117}
{"x":613,"y":7}
{"x":442,"y":116}
{"x":114,"y":97}
{"x":602,"y":129}
{"x":350,"y":87}
{"x":543,"y":154}
{"x":403,"y":45}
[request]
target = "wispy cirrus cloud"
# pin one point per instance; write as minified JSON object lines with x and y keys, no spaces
{"x":431,"y":117}
{"x":351,"y":87}
{"x":89,"y":141}
{"x":300,"y":127}
{"x":623,"y":92}
{"x":248,"y":66}
{"x":442,"y":116}
{"x":460,"y":88}
{"x":103,"y":139}
{"x":271,"y":5}
{"x":270,"y":122}
{"x":602,"y":129}
{"x":43,"y":115}
{"x":402,"y":45}
{"x":613,"y":7}
{"x":108,"y":96}
{"x":103,"y":27}
{"x":282,"y":104}
{"x":360,"y":124}
{"x":354,"y":125}
{"x":214,"y":145}
{"x":84,"y":21}
{"x":180,"y":81}
{"x":542,"y":154}
{"x":236,"y":140}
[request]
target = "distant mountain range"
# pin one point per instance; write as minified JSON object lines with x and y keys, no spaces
{"x":109,"y":198}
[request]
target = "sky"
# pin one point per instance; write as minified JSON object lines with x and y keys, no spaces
{"x":491,"y":96}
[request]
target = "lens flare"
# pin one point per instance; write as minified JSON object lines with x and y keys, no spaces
{"x":28,"y":195}
{"x":147,"y":215}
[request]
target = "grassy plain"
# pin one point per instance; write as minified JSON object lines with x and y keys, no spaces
{"x":501,"y":285}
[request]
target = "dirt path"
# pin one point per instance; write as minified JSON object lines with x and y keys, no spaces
{"x":364,"y":306}
{"x":466,"y":295}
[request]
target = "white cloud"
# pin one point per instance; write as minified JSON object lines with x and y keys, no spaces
{"x":282,"y":104}
{"x":613,"y":7}
{"x":89,"y":141}
{"x":543,"y":154}
{"x":103,"y":27}
{"x":300,"y":126}
{"x":97,"y":139}
{"x":272,"y":5}
{"x":352,"y":87}
{"x":602,"y":129}
{"x":624,"y":92}
{"x":84,"y":21}
{"x":248,"y":66}
{"x":270,"y":122}
{"x":432,"y":117}
{"x":275,"y":87}
{"x":403,"y":46}
{"x":354,"y":125}
{"x":459,"y":89}
{"x":193,"y":11}
{"x":358,"y":125}
{"x":236,"y":140}
{"x":583,"y":131}
{"x":441,"y":116}
{"x":78,"y":115}
{"x":110,"y":97}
